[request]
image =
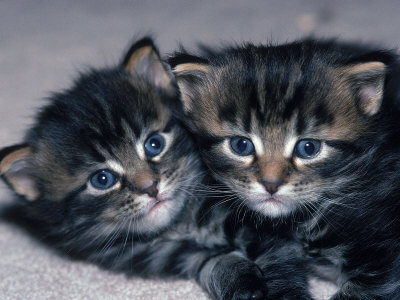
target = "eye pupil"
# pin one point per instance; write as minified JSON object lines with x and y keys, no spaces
{"x":102,"y":179}
{"x":242,"y":145}
{"x":309,"y":148}
{"x":155,"y":143}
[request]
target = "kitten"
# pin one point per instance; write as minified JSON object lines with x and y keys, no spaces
{"x":306,"y":135}
{"x":107,"y":174}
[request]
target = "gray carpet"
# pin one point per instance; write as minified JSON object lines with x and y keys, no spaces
{"x":44,"y":43}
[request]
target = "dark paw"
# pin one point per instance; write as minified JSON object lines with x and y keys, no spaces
{"x":296,"y":297}
{"x":250,"y":287}
{"x":257,"y":294}
{"x":299,"y":294}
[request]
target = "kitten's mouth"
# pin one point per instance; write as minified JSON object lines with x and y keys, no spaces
{"x":276,"y":201}
{"x":157,"y":204}
{"x":273,"y":200}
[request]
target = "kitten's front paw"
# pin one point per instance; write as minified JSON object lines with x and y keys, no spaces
{"x":250,"y":293}
{"x":250,"y":286}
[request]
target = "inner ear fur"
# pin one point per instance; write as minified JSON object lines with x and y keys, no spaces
{"x":143,"y":60}
{"x":191,"y":68}
{"x":366,"y":81}
{"x":17,"y":172}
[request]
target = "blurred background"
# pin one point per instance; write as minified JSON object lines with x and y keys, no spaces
{"x":44,"y":43}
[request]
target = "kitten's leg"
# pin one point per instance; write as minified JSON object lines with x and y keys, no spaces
{"x":286,"y":280}
{"x":285,"y":271}
{"x":354,"y":291}
{"x":232,"y":276}
{"x":224,"y":274}
{"x":351,"y":291}
{"x":371,"y":283}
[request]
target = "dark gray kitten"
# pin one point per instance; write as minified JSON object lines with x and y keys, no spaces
{"x":306,"y":135}
{"x":108,"y":175}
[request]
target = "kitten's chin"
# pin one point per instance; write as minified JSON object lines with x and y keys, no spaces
{"x":272,"y":207}
{"x":159,"y":215}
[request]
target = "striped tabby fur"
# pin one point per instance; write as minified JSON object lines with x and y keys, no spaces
{"x":108,"y":175}
{"x":306,"y":135}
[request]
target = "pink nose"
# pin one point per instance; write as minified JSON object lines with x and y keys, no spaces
{"x":271,"y":186}
{"x":151,"y":190}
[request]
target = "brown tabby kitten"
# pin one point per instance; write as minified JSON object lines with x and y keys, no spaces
{"x":109,"y":175}
{"x":306,"y":135}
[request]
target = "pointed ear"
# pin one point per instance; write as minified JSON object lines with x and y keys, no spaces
{"x":143,"y":60}
{"x":189,"y":76}
{"x":16,"y":170}
{"x":366,"y":82}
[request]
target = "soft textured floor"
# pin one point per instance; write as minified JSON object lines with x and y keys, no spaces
{"x":44,"y":43}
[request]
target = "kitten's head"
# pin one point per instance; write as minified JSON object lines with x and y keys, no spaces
{"x":278,"y":123}
{"x":108,"y":151}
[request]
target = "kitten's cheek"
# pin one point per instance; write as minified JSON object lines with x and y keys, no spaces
{"x":160,"y":209}
{"x":165,"y":193}
{"x":147,"y":203}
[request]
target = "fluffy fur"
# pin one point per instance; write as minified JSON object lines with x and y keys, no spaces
{"x":107,"y":174}
{"x":306,"y":135}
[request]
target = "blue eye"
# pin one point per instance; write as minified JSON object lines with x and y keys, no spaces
{"x":154,"y":145}
{"x":307,"y":148}
{"x":242,"y":146}
{"x":103,"y":180}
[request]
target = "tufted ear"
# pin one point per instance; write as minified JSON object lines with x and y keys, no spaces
{"x":190,"y":72}
{"x":189,"y":76}
{"x":143,"y":61}
{"x":16,"y":170}
{"x":366,"y":81}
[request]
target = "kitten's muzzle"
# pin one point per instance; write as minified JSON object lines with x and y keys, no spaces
{"x":272,"y":174}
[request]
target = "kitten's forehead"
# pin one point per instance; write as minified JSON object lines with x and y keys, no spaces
{"x":276,"y":96}
{"x":275,"y":138}
{"x":126,"y":134}
{"x":250,"y":97}
{"x":270,"y":85}
{"x":102,"y":113}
